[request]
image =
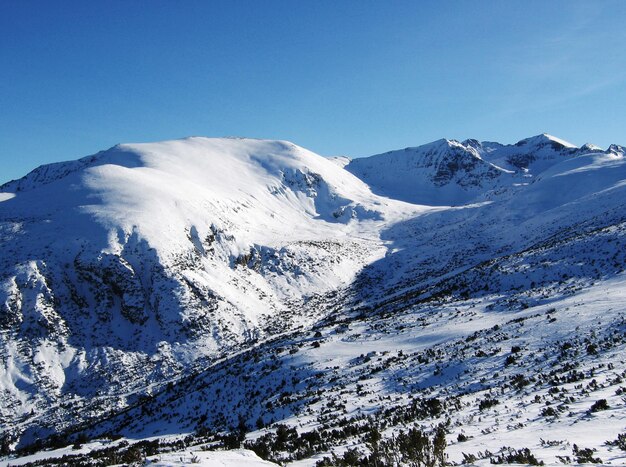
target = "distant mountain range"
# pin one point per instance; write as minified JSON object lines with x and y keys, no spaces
{"x":210,"y":287}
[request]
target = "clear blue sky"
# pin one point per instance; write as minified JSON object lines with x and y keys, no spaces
{"x":337,"y":77}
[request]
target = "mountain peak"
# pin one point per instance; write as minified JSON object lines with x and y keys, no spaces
{"x":438,"y":144}
{"x":544,"y":139}
{"x":473,"y":143}
{"x":589,"y":147}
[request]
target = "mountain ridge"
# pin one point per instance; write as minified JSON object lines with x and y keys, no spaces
{"x":462,"y":171}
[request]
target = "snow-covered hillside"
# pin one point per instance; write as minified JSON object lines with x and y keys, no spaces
{"x":119,"y":269}
{"x":202,"y":287}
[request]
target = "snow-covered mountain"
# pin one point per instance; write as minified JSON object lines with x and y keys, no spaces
{"x":439,"y":173}
{"x":449,"y":172}
{"x":143,"y":258}
{"x":198,"y":285}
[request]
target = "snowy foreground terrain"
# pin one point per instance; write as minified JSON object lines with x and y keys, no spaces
{"x":235,"y":302}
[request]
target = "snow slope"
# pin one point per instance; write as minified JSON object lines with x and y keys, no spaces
{"x":194,"y":286}
{"x":119,"y":269}
{"x":185,"y":457}
{"x":235,"y":458}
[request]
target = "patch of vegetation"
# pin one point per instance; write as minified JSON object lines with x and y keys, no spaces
{"x":599,"y":405}
{"x":509,"y":455}
{"x":619,"y":442}
{"x":487,"y":403}
{"x":412,"y":448}
{"x":585,"y":455}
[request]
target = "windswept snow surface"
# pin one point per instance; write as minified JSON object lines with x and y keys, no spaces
{"x":172,"y":288}
{"x":234,"y":458}
{"x":186,"y":457}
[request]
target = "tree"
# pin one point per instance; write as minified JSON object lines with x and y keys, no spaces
{"x":439,"y":445}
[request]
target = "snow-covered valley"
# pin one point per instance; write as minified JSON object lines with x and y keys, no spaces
{"x":198,"y":294}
